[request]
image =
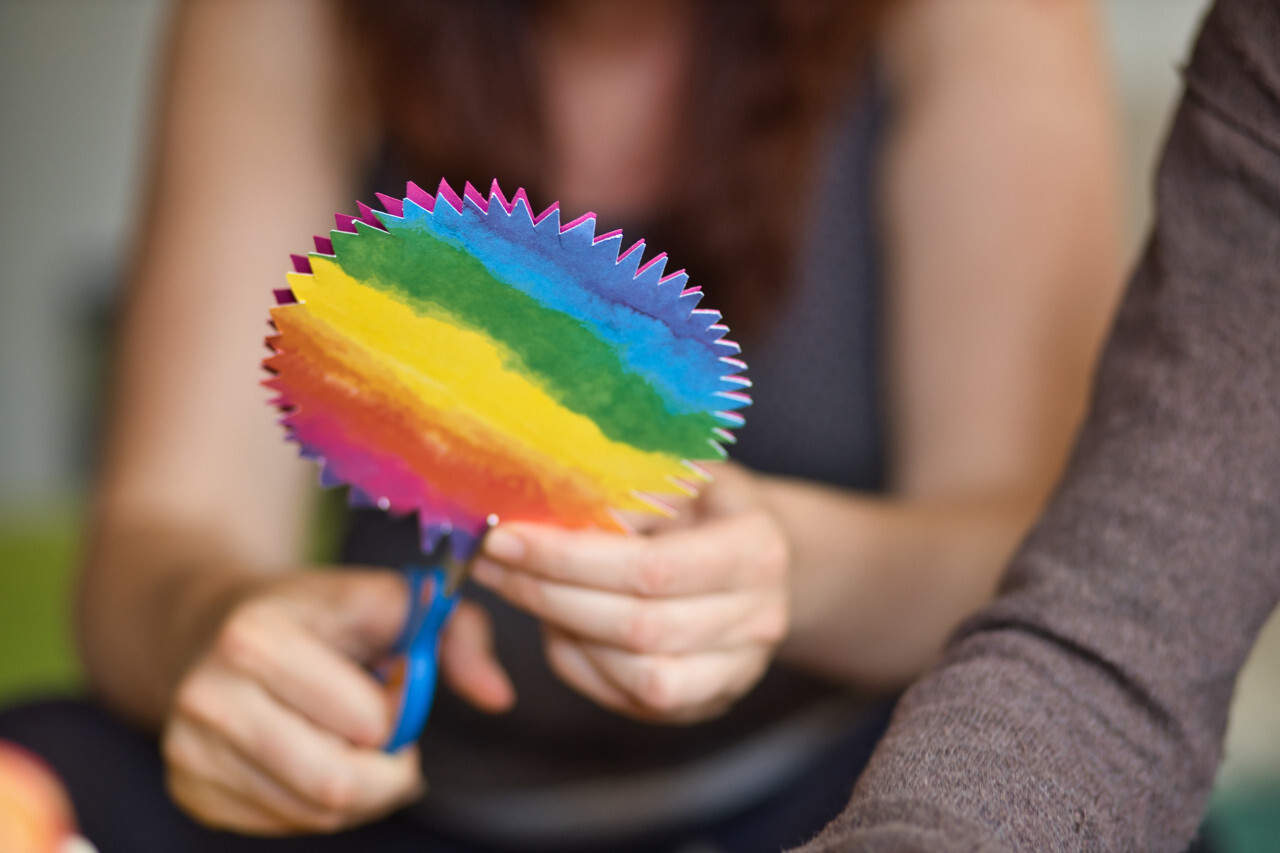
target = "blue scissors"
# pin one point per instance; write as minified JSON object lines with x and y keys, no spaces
{"x":413,"y":664}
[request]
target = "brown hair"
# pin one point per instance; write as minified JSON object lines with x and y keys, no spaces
{"x":768,"y":74}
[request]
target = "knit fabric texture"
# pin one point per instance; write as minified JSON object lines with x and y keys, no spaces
{"x":1084,"y":709}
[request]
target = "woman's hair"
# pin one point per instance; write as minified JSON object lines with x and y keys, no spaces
{"x":455,"y":82}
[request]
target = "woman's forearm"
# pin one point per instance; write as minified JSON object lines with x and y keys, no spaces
{"x":1001,"y":249}
{"x":198,"y":497}
{"x":879,"y":583}
{"x":150,"y":597}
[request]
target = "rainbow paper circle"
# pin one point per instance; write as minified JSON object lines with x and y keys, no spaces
{"x":457,"y":357}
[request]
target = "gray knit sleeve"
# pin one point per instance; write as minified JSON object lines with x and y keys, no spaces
{"x":1084,"y":709}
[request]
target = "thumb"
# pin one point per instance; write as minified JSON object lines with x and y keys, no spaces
{"x":362,"y":612}
{"x":468,"y":663}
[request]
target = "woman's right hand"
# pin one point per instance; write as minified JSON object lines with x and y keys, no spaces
{"x":278,"y":725}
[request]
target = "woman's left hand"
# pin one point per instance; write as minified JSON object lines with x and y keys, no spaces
{"x":670,"y":626}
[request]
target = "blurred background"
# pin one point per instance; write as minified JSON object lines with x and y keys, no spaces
{"x":75,"y":80}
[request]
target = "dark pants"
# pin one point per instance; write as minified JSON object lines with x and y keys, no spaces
{"x":115,"y":779}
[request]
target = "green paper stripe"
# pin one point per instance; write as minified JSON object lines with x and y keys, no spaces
{"x":565,"y":358}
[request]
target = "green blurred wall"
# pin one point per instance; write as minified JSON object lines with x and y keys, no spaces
{"x":37,"y":559}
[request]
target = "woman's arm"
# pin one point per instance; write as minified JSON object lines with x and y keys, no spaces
{"x":250,"y":156}
{"x":192,"y":614}
{"x":1000,"y":188}
{"x":1002,"y":223}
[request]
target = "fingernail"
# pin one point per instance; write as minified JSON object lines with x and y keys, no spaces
{"x":505,"y":546}
{"x":77,"y":844}
{"x":486,"y":572}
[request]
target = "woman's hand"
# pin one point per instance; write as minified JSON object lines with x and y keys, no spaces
{"x":672,"y":626}
{"x":278,"y":727}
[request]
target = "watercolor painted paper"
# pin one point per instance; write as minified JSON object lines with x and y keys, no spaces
{"x":458,"y":356}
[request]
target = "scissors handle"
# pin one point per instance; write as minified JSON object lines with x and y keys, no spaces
{"x":412,"y":666}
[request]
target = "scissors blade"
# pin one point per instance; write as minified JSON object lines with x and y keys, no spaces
{"x":456,"y":570}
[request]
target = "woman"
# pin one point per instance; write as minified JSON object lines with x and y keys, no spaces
{"x":994,"y":188}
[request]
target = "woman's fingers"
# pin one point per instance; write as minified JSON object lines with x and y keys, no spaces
{"x":277,"y":728}
{"x":468,"y":663}
{"x":302,"y":672}
{"x":218,"y":807}
{"x":672,"y":684}
{"x":672,"y":626}
{"x":754,"y":615}
{"x":317,"y":765}
{"x":204,"y":770}
{"x":360,"y":613}
{"x":569,"y":662}
{"x":657,"y":688}
{"x":718,"y":555}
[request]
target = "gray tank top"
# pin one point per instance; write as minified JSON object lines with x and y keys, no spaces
{"x":561,"y":770}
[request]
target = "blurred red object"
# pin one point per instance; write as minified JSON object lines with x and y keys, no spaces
{"x":35,"y":812}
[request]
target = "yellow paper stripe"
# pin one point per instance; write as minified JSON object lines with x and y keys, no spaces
{"x":457,"y":369}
